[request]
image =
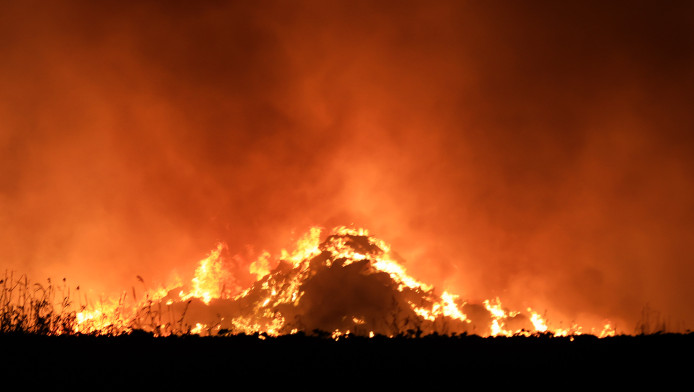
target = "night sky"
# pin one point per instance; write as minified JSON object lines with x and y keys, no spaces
{"x":538,"y":151}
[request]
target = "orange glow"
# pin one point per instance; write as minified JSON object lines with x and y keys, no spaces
{"x":210,"y":277}
{"x":282,"y":300}
{"x":261,"y":266}
{"x":531,"y":155}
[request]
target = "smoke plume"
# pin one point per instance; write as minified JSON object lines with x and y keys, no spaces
{"x":539,"y":151}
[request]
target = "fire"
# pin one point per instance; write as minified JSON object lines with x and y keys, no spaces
{"x":607,"y":330}
{"x":261,"y":266}
{"x":306,"y":247}
{"x":277,"y":297}
{"x":538,"y":321}
{"x":346,"y":282}
{"x":210,"y":276}
{"x":199,"y":328}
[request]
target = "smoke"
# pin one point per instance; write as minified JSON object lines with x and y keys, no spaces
{"x":538,"y":152}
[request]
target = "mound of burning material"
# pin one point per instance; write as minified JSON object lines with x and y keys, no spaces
{"x":348,"y":283}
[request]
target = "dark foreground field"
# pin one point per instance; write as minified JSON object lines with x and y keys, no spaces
{"x":119,"y":361}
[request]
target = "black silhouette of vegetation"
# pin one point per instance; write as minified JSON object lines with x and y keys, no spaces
{"x":38,"y":321}
{"x":35,"y":308}
{"x":115,"y":359}
{"x":47,"y":309}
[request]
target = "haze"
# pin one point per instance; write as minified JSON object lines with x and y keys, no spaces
{"x":538,"y":151}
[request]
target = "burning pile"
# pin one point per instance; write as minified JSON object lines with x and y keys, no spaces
{"x":347,"y":283}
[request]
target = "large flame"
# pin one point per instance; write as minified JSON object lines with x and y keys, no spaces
{"x":348,"y":283}
{"x":209,"y":277}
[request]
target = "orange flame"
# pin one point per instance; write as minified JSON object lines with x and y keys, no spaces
{"x":261,"y":266}
{"x":277,"y":292}
{"x":210,"y":276}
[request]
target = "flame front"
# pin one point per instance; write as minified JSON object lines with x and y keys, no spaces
{"x":348,"y":283}
{"x":209,"y":279}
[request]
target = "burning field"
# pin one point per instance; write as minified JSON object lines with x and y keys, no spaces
{"x":340,"y":301}
{"x":342,"y":283}
{"x":203,"y":174}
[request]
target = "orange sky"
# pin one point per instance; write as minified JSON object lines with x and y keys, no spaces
{"x":537,"y":151}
